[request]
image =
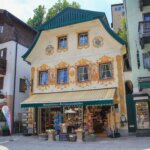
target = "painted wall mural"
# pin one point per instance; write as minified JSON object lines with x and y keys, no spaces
{"x":103,"y":60}
{"x":121,"y":83}
{"x":43,"y":67}
{"x":98,"y":41}
{"x":49,"y":50}
{"x":93,"y":73}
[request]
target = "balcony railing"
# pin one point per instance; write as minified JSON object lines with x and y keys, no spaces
{"x":3,"y":63}
{"x":144,"y":32}
{"x":144,"y":3}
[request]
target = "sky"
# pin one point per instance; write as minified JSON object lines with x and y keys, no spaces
{"x":23,"y":9}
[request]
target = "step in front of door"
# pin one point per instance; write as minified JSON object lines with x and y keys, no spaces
{"x":143,"y":133}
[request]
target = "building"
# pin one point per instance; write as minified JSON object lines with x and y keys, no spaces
{"x":117,"y":11}
{"x":138,"y":26}
{"x":15,"y":39}
{"x":77,"y":72}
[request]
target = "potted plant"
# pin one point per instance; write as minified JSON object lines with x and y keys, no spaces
{"x":50,"y":133}
{"x":5,"y":130}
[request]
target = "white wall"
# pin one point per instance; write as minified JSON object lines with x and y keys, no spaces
{"x":23,"y":71}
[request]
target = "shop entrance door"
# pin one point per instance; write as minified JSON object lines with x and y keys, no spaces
{"x":142,"y":115}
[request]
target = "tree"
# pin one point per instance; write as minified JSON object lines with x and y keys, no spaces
{"x":123,"y":31}
{"x":38,"y":17}
{"x":59,"y":6}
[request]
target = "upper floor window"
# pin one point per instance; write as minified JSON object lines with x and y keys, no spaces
{"x":62,"y":75}
{"x":147,"y":17}
{"x":43,"y":77}
{"x":83,"y":39}
{"x":83,"y":73}
{"x":3,"y":53}
{"x":23,"y":85}
{"x":146,"y":60}
{"x":1,"y":28}
{"x":105,"y":71}
{"x":62,"y":42}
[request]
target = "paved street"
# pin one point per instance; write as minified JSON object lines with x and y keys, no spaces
{"x":33,"y":143}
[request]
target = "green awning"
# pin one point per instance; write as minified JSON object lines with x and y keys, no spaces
{"x":89,"y":97}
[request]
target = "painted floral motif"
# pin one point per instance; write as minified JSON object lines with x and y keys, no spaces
{"x":49,"y":50}
{"x":98,"y":41}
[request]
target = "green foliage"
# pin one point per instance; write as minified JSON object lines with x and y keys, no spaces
{"x":5,"y":128}
{"x":59,"y":6}
{"x":123,"y":31}
{"x":40,"y":12}
{"x":38,"y":17}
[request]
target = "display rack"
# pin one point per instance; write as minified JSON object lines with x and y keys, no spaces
{"x":28,"y":122}
{"x":74,"y":118}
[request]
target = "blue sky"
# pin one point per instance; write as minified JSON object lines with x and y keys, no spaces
{"x":23,"y":9}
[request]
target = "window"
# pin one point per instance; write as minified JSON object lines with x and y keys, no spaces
{"x":147,"y":17}
{"x":3,"y":53}
{"x":1,"y":29}
{"x":83,"y":74}
{"x":105,"y":71}
{"x":43,"y":77}
{"x":146,"y":60}
{"x":23,"y":85}
{"x":1,"y":83}
{"x":62,"y":75}
{"x":83,"y":39}
{"x":62,"y":42}
{"x":142,"y":115}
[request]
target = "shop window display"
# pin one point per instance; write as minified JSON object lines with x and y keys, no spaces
{"x":142,"y":117}
{"x":96,"y":119}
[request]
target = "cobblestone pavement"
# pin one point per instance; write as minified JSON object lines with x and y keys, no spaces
{"x":33,"y":143}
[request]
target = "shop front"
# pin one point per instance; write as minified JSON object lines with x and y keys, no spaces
{"x":74,"y":115}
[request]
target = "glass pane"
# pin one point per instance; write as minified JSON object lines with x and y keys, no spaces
{"x":62,"y":76}
{"x":142,"y":115}
{"x":43,"y":78}
{"x":62,"y":42}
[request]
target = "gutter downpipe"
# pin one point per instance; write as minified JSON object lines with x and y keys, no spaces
{"x":15,"y":69}
{"x":15,"y":73}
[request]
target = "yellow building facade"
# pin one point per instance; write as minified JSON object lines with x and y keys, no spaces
{"x":77,"y":66}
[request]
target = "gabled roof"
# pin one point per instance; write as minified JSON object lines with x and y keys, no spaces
{"x":70,"y":16}
{"x":7,"y":15}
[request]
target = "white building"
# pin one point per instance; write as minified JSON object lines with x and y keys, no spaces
{"x":14,"y":72}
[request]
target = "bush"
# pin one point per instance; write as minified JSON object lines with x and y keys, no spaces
{"x":5,"y":130}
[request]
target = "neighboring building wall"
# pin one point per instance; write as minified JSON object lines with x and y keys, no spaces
{"x":117,"y":11}
{"x":23,"y":70}
{"x":134,"y":15}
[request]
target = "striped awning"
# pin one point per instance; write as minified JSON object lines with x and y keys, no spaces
{"x":89,"y":97}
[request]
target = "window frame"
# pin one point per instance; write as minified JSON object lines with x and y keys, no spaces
{"x":84,"y":45}
{"x":100,"y":72}
{"x":39,"y":78}
{"x":58,"y":69}
{"x":84,"y":73}
{"x":21,"y":82}
{"x":58,"y":39}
